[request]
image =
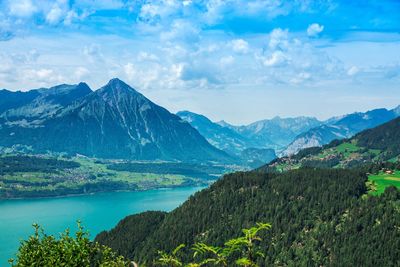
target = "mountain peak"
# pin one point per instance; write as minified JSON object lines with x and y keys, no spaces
{"x":396,"y":110}
{"x":117,"y":86}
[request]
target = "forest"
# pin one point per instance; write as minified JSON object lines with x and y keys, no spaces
{"x":23,"y":163}
{"x":319,"y":217}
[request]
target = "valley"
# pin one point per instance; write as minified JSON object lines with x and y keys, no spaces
{"x":199,"y":133}
{"x":33,"y":176}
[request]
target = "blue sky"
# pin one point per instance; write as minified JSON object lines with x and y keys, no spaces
{"x":237,"y":60}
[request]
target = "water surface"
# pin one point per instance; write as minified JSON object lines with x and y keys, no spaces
{"x":97,"y":212}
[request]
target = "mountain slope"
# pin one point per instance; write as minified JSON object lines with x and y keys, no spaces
{"x":378,"y":144}
{"x":275,"y":133}
{"x":115,"y":122}
{"x":40,"y":103}
{"x":221,"y":137}
{"x":230,"y":140}
{"x":318,"y":219}
{"x":339,"y":128}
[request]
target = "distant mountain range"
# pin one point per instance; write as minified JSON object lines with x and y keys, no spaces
{"x":339,"y":128}
{"x":113,"y":122}
{"x":286,"y":136}
{"x":275,"y":133}
{"x":376,"y":145}
{"x":230,"y":140}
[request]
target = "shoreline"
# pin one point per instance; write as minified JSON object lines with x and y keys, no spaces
{"x":102,"y":192}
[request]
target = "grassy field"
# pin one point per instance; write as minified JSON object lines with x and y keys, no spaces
{"x":49,"y":175}
{"x":378,"y":182}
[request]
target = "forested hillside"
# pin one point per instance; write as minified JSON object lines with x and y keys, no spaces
{"x":375,"y":145}
{"x":318,"y":217}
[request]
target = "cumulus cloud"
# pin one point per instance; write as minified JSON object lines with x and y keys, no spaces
{"x":240,"y":46}
{"x":228,"y":60}
{"x":55,"y":15}
{"x":42,"y":76}
{"x":278,"y":39}
{"x":314,"y":29}
{"x":353,"y":70}
{"x":277,"y":58}
{"x":93,"y":53}
{"x":21,"y":8}
{"x":81,"y":73}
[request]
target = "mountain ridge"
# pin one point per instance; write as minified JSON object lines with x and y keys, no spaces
{"x":340,"y":127}
{"x":115,"y":121}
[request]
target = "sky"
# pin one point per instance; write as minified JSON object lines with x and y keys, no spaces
{"x":233,"y":60}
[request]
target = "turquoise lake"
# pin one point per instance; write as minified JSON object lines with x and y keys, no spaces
{"x":97,"y":212}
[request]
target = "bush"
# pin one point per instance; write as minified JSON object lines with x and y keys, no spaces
{"x":46,"y":250}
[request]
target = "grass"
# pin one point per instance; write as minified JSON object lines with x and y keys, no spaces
{"x":347,"y":149}
{"x":379,"y":182}
{"x":90,"y":172}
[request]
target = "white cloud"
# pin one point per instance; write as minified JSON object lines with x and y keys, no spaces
{"x":353,"y":71}
{"x":42,"y":76}
{"x":55,"y":15}
{"x":300,"y":78}
{"x":145,"y":56}
{"x":130,"y":71}
{"x":182,"y":30}
{"x":81,"y":73}
{"x":228,"y":60}
{"x":93,"y":52}
{"x":22,"y":8}
{"x":314,"y":29}
{"x":240,"y":46}
{"x":278,"y":39}
{"x":276,"y":59}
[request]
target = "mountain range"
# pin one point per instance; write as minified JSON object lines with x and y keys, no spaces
{"x":286,"y":136}
{"x":340,"y":128}
{"x":376,"y":145}
{"x":114,"y":121}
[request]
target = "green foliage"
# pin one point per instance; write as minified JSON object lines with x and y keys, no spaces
{"x":188,"y":169}
{"x":171,"y":259}
{"x":46,"y":250}
{"x":377,"y":145}
{"x":33,"y":176}
{"x":241,"y":251}
{"x":379,"y":182}
{"x":11,"y":164}
{"x":319,"y":216}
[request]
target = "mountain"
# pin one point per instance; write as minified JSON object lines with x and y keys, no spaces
{"x":278,"y":132}
{"x":256,"y":157}
{"x":221,"y":137}
{"x":10,"y":100}
{"x":339,"y":128}
{"x":379,"y":144}
{"x":228,"y":139}
{"x":115,"y":121}
{"x":39,"y":103}
{"x":274,"y":133}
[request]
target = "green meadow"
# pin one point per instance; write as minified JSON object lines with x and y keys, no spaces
{"x":378,"y":182}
